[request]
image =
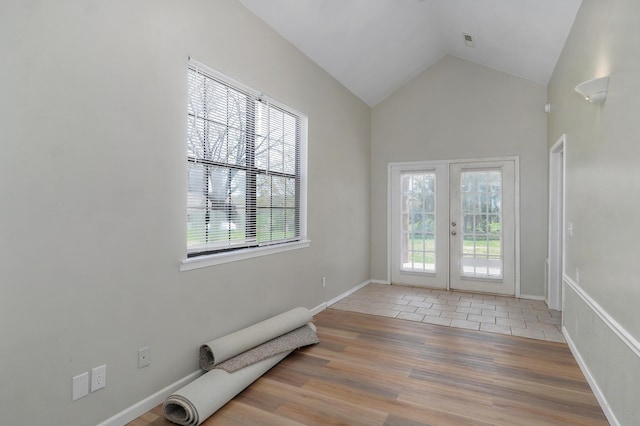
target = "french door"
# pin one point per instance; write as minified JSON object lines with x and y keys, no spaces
{"x":453,"y":225}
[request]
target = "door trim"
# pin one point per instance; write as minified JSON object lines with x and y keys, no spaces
{"x":556,"y":252}
{"x":427,"y":164}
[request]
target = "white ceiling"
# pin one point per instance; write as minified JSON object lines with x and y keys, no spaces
{"x":373,"y":47}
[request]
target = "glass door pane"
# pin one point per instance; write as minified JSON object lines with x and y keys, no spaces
{"x":418,"y":215}
{"x":481,"y":224}
{"x":419,"y":245}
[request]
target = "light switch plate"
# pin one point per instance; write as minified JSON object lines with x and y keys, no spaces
{"x":80,"y":386}
{"x":144,"y":357}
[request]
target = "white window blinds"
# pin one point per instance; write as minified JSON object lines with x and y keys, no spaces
{"x":243,"y":157}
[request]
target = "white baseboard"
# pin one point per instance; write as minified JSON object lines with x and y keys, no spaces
{"x":150,"y":402}
{"x":321,"y":307}
{"x":530,"y":297}
{"x":380,"y":282}
{"x":606,"y":409}
{"x":347,"y":293}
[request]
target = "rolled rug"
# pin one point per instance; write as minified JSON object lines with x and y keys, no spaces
{"x":218,"y":350}
{"x":194,"y":403}
{"x":302,"y":336}
{"x":249,"y":353}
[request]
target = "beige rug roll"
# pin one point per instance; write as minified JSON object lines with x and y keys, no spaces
{"x":218,"y":350}
{"x":303,"y":336}
{"x":194,"y":403}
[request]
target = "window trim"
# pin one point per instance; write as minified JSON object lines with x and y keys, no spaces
{"x":205,"y":260}
{"x":189,"y":263}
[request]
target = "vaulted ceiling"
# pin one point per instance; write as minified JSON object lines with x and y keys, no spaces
{"x":373,"y":47}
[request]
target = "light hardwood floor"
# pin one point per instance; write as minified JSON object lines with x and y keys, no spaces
{"x":370,"y":370}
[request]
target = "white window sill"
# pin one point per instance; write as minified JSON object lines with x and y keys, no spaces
{"x":233,"y":256}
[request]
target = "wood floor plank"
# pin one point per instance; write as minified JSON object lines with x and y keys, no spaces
{"x":394,"y":406}
{"x":470,"y":412}
{"x":310,"y":407}
{"x":370,"y":370}
{"x":236,"y":413}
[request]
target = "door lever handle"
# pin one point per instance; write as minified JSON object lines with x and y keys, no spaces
{"x":453,"y":232}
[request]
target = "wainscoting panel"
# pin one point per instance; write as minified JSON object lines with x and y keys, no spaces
{"x":607,"y":354}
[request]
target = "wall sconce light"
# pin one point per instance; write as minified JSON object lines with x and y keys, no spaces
{"x":595,"y":91}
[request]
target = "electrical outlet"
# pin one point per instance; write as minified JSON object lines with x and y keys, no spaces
{"x":80,"y":386}
{"x":577,"y":276}
{"x":98,"y":378}
{"x":324,"y":282}
{"x":144,"y":357}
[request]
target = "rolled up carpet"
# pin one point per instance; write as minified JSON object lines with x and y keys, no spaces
{"x":218,"y":350}
{"x":194,"y":403}
{"x":245,"y":355}
{"x":303,"y":336}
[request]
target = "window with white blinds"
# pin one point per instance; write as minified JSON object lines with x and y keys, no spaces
{"x":244,"y":167}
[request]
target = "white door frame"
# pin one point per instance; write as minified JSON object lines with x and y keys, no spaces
{"x":430,"y":164}
{"x":556,"y":254}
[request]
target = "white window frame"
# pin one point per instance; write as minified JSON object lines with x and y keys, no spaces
{"x":205,"y":260}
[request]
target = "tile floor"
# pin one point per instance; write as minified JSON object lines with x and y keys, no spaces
{"x":494,"y":314}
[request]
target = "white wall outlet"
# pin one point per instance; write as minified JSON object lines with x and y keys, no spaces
{"x":577,"y":276}
{"x":570,"y":229}
{"x":144,"y":357}
{"x":324,"y":282}
{"x":98,"y":378}
{"x":80,"y":386}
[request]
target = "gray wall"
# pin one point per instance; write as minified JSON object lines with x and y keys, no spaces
{"x":603,"y":192}
{"x":455,"y":110}
{"x":93,"y":185}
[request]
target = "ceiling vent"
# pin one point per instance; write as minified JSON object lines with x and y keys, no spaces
{"x":468,"y":40}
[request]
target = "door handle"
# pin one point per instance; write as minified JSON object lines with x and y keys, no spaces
{"x":453,"y":224}
{"x":453,"y":232}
